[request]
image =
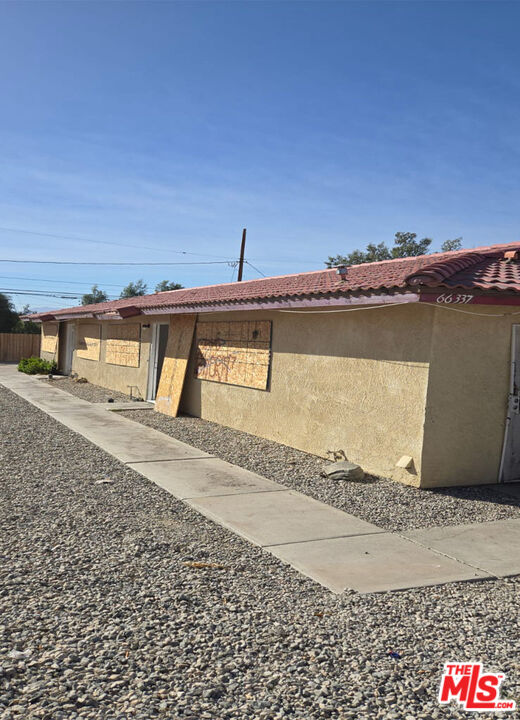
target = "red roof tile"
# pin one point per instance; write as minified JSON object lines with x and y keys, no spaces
{"x":482,"y":268}
{"x":473,"y":271}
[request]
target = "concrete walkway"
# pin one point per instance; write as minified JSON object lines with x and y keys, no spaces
{"x":332,"y":547}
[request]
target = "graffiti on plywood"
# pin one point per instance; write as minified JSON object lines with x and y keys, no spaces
{"x":123,"y":345}
{"x":88,"y":344}
{"x":236,"y":353}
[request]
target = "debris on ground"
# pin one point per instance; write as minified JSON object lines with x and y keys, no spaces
{"x":393,"y":654}
{"x":337,"y":455}
{"x":343,"y":470}
{"x":19,"y":654}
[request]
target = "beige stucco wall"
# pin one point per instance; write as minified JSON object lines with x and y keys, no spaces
{"x":467,"y":395}
{"x":353,"y":381}
{"x":378,"y":384}
{"x":49,"y":356}
{"x":117,"y":377}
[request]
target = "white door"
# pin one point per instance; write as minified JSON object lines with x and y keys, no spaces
{"x":157,"y":353}
{"x":510,"y":464}
{"x":70,"y":342}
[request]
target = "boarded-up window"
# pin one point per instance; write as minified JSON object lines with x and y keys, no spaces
{"x":180,"y":336}
{"x":123,"y":345}
{"x":237,"y":353}
{"x":50,"y":337}
{"x":88,"y":343}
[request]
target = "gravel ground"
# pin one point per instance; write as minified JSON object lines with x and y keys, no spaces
{"x":86,"y":391}
{"x":103,"y":617}
{"x":387,"y":504}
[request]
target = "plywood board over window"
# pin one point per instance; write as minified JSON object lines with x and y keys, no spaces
{"x":50,"y":337}
{"x":173,"y":372}
{"x":123,"y":345}
{"x":88,"y":343}
{"x":236,"y":353}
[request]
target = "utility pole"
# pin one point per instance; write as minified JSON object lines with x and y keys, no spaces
{"x":241,"y":261}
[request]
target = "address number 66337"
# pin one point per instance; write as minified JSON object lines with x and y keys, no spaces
{"x":454,"y":299}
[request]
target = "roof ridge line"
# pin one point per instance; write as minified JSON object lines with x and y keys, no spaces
{"x":432,"y":269}
{"x":483,"y":249}
{"x":442,"y":270}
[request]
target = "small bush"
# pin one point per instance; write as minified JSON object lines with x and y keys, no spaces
{"x":36,"y":366}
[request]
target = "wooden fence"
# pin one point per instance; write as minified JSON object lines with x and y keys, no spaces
{"x":14,"y":346}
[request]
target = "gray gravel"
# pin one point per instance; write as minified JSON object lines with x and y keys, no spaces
{"x":86,"y":391}
{"x":388,"y":504}
{"x":102,"y":616}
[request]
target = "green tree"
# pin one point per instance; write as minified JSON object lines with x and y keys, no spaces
{"x":166,"y":285}
{"x":449,"y":245}
{"x":94,"y":296}
{"x":405,"y":245}
{"x":26,"y":326}
{"x":134,"y":289}
{"x":8,"y":315}
{"x":373,"y":253}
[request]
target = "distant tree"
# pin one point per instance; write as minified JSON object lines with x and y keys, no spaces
{"x":449,"y":245}
{"x":94,"y":296}
{"x":8,"y":315}
{"x":405,"y":245}
{"x":373,"y":253}
{"x":26,"y":326}
{"x":134,"y":289}
{"x":166,"y":285}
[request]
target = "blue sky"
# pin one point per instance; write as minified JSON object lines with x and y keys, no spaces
{"x":319,"y":126}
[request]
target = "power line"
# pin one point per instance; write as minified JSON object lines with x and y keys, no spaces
{"x":255,"y":268}
{"x":144,"y":247}
{"x":45,"y":293}
{"x":234,"y":266}
{"x":76,"y":262}
{"x":104,"y":242}
{"x":65,"y":282}
{"x":36,"y":291}
{"x":72,"y":295}
{"x":40,"y":308}
{"x":63,"y":293}
{"x":42,"y":294}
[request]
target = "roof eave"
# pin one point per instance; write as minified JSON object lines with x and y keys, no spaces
{"x":333,"y":300}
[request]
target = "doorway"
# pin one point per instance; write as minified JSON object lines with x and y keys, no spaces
{"x":70,"y":342}
{"x":510,"y":462}
{"x":157,"y":353}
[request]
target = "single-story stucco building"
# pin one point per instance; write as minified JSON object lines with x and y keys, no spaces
{"x":407,"y":365}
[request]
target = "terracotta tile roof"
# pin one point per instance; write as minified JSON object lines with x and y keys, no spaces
{"x":474,"y":271}
{"x":483,"y":268}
